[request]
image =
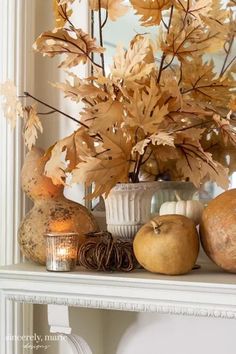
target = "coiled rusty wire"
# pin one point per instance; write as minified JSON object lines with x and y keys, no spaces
{"x":104,"y":253}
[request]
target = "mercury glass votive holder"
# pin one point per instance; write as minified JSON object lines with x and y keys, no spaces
{"x":61,"y":251}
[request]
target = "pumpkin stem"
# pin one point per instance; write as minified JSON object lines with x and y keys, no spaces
{"x":177,"y":197}
{"x":156,"y":226}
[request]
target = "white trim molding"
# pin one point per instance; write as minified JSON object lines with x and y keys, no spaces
{"x":208,"y":292}
{"x":16,"y":64}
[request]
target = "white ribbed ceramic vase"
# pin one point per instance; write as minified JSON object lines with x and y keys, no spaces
{"x":128,"y":207}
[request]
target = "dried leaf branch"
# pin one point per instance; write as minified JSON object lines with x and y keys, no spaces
{"x":163,"y":110}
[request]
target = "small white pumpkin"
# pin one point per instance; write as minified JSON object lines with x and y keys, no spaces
{"x":192,"y":209}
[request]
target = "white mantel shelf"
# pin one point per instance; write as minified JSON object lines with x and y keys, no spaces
{"x":206,"y":292}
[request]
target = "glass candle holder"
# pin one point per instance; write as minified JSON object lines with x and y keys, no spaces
{"x":61,"y":251}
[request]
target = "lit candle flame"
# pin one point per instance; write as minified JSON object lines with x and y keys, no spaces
{"x":62,"y":252}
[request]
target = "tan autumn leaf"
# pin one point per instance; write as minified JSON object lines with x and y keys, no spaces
{"x":144,"y":111}
{"x":197,"y":165}
{"x":183,"y":42}
{"x":228,"y":133}
{"x":72,"y":149}
{"x":150,"y":10}
{"x":11,"y":105}
{"x":103,"y":115}
{"x":115,"y":8}
{"x":212,"y":18}
{"x":56,"y":166}
{"x":200,"y":80}
{"x":131,"y":64}
{"x":170,"y":84}
{"x":196,"y":9}
{"x":161,"y":138}
{"x":75,"y":44}
{"x":218,"y":23}
{"x":231,"y":3}
{"x":232,"y":104}
{"x":80,"y":90}
{"x":108,"y":168}
{"x":161,"y":162}
{"x":65,"y":2}
{"x":193,"y":133}
{"x":84,"y":145}
{"x":62,"y":12}
{"x":32,"y":126}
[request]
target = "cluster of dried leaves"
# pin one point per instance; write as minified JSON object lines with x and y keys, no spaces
{"x":163,"y":109}
{"x":13,"y":108}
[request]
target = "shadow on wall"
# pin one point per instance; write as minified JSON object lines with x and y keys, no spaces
{"x":118,"y":327}
{"x":151,"y":333}
{"x":117,"y":332}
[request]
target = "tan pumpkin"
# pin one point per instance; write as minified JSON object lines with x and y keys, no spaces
{"x":192,"y":209}
{"x":167,"y":244}
{"x":218,"y":230}
{"x":51,"y":210}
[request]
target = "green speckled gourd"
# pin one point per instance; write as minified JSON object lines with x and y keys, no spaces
{"x":51,"y":210}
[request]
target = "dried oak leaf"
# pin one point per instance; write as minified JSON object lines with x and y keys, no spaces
{"x":64,"y":2}
{"x":219,"y":26}
{"x":131,"y":64}
{"x":170,"y":85}
{"x":115,"y":8}
{"x":32,"y":126}
{"x":161,"y":138}
{"x":200,"y":80}
{"x":61,"y":12}
{"x":80,"y":90}
{"x":231,"y":3}
{"x":196,"y":164}
{"x":232,"y":104}
{"x":196,"y":9}
{"x":150,"y":11}
{"x":103,"y":115}
{"x":161,"y":161}
{"x":11,"y":106}
{"x":183,"y":42}
{"x":66,"y":154}
{"x":228,"y":133}
{"x":144,"y":111}
{"x":108,"y":167}
{"x":56,"y":166}
{"x":74,"y":43}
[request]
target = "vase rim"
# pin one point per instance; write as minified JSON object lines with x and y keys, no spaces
{"x":153,"y":182}
{"x":60,"y":234}
{"x":150,"y":185}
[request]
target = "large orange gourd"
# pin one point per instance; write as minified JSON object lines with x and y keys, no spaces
{"x":218,"y":230}
{"x":51,"y":210}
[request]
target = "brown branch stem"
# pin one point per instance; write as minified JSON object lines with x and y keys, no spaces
{"x":164,"y":55}
{"x":27,"y":94}
{"x":101,"y":25}
{"x":225,"y":66}
{"x":105,"y":21}
{"x":46,"y":113}
{"x":64,"y":12}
